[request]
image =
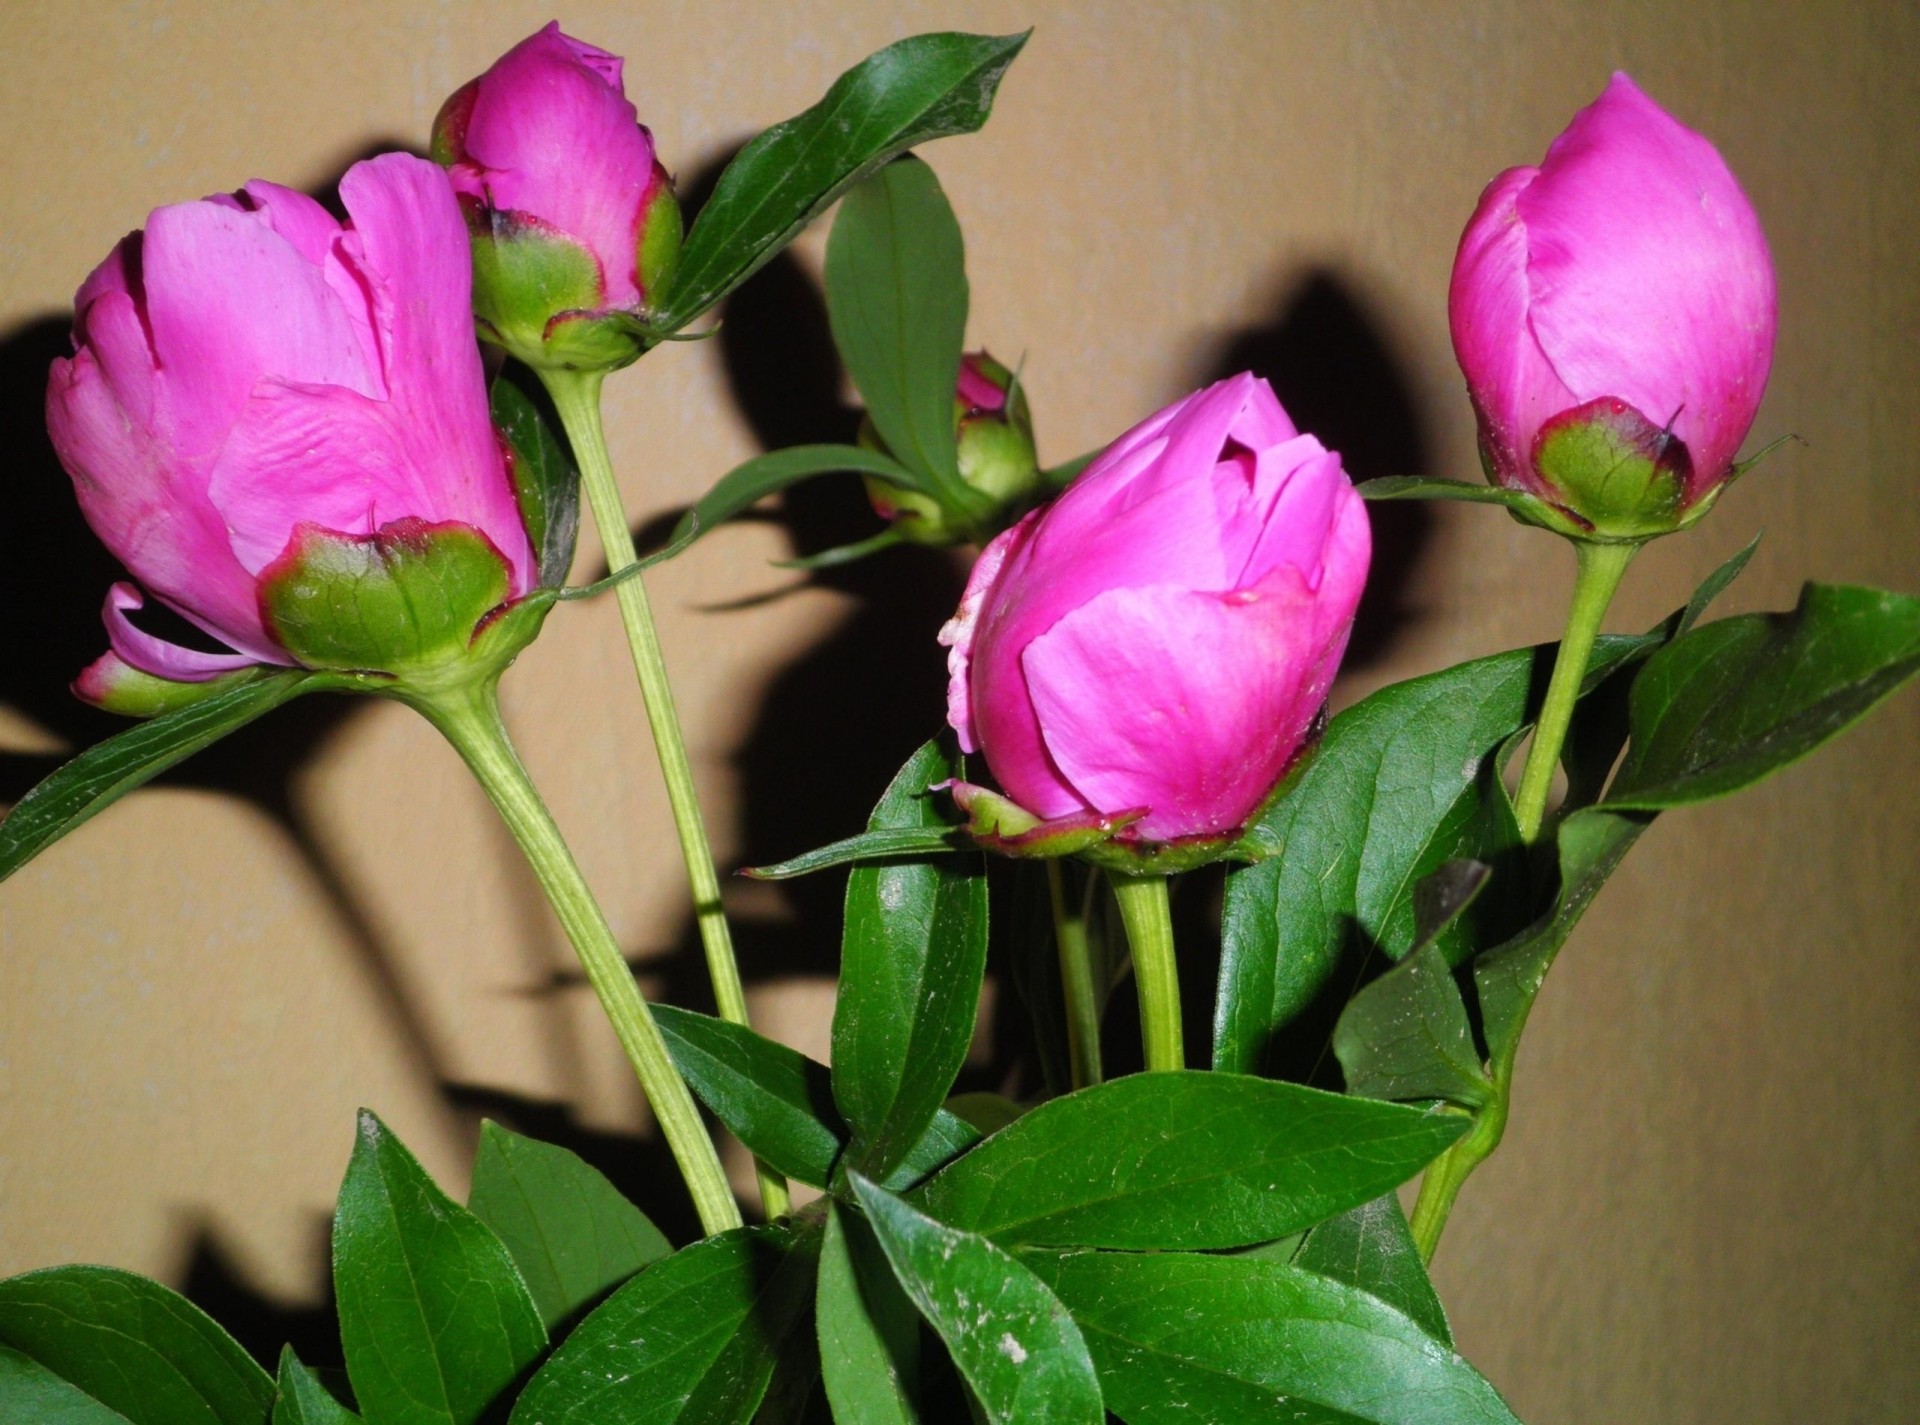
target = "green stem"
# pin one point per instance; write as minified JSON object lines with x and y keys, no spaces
{"x":1448,"y":1173}
{"x":1148,"y":917}
{"x":576,"y":395}
{"x":470,"y":719}
{"x":1601,"y":566}
{"x":1076,"y":979}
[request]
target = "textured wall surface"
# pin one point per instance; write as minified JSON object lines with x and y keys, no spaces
{"x":1706,"y":1198}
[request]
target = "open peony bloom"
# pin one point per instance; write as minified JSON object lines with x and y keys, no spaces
{"x":266,"y":410}
{"x":1161,"y":638}
{"x":1614,"y":313}
{"x":574,"y":220}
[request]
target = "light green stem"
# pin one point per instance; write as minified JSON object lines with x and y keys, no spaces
{"x":1601,"y":566}
{"x":470,"y":720}
{"x":1076,"y":979}
{"x":1148,"y":917}
{"x":576,"y":395}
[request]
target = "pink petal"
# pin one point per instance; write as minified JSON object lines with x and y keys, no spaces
{"x":956,"y":635}
{"x":162,"y":659}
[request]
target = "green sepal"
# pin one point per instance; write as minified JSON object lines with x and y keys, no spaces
{"x":662,"y":234}
{"x":530,"y":284}
{"x":407,"y":597}
{"x":1615,"y":469}
{"x":128,"y":691}
{"x":1001,"y":825}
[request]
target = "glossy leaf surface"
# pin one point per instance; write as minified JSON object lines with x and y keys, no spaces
{"x":869,"y":1333}
{"x":546,"y":482}
{"x":1372,"y":1248}
{"x":569,"y":1231}
{"x":303,"y":1400}
{"x":434,"y":1317}
{"x":1186,"y":1159}
{"x":29,"y":1391}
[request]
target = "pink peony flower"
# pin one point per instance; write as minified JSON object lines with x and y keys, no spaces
{"x":1164,"y":634}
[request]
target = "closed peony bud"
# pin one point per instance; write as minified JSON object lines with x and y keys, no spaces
{"x":993,"y":433}
{"x":574,"y":221}
{"x":1614,"y":313}
{"x":1151,"y":651}
{"x":279,"y":424}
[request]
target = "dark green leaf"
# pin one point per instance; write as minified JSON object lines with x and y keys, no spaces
{"x":1372,"y":1248}
{"x":886,"y":844}
{"x":569,"y":1231}
{"x":869,"y":1335}
{"x":128,"y":1344}
{"x":1732,"y":701}
{"x":988,"y":1112}
{"x":1183,"y":1159}
{"x":1419,"y":487}
{"x":767,"y":474}
{"x":946,"y":1138}
{"x":303,"y":1400}
{"x":919,"y":89}
{"x":108,"y":770}
{"x":911,"y":965}
{"x":546,"y":482}
{"x":896,"y":282}
{"x":693,"y":1338}
{"x":434,"y":1318}
{"x":773,"y":1099}
{"x":1009,"y":1335}
{"x":31,"y":1392}
{"x":1180,"y":1338}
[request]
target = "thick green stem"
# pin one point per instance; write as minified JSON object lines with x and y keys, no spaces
{"x":1601,"y":566}
{"x":576,"y":395}
{"x":1446,"y":1174}
{"x":470,"y":719}
{"x":1076,"y":979}
{"x":1148,"y":917}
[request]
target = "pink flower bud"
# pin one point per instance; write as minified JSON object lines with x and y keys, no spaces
{"x":251,"y":377}
{"x":1164,"y":634}
{"x":1614,"y":313}
{"x":574,"y":221}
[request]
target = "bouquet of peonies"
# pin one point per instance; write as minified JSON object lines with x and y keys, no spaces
{"x":351,"y":451}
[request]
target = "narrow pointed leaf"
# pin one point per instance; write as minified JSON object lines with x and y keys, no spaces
{"x":1009,"y":1335}
{"x":869,"y":1335}
{"x":1183,"y":1160}
{"x":1372,"y":1248}
{"x":1180,"y":1338}
{"x":571,"y":1233}
{"x":303,"y":1400}
{"x":921,"y":88}
{"x":692,"y":1339}
{"x":746,"y":484}
{"x":912,"y":961}
{"x":883,"y":845}
{"x":126,"y":1344}
{"x":108,"y":770}
{"x":434,"y":1317}
{"x":897,"y":297}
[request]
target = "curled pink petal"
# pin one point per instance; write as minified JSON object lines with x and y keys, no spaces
{"x":142,"y":650}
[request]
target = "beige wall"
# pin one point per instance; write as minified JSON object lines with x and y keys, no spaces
{"x":1707,"y":1198}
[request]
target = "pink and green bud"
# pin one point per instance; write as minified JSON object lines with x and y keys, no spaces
{"x":1614,"y":313}
{"x":277,"y":421}
{"x":574,"y":221}
{"x":1150,"y":653}
{"x":993,"y":434}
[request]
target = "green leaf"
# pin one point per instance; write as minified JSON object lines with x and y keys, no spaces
{"x":1372,"y":1248}
{"x":127,"y":1345}
{"x":1732,"y":701}
{"x":1179,"y":1338}
{"x":886,"y":844}
{"x":768,"y":474}
{"x":896,"y":281}
{"x":108,"y":770}
{"x":919,"y":89}
{"x":773,"y":1099}
{"x":1407,"y":1035}
{"x":31,"y":1392}
{"x":434,"y":1318}
{"x":303,"y":1400}
{"x":569,"y":1231}
{"x":1009,"y":1335}
{"x":546,"y":482}
{"x":946,"y":1138}
{"x":1420,"y":487}
{"x":693,"y":1338}
{"x":911,"y":965}
{"x":1183,"y":1159}
{"x":869,"y":1336}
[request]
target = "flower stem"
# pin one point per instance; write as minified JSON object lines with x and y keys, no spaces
{"x":1148,"y":917}
{"x":1446,"y":1174}
{"x":469,"y":718}
{"x":1076,"y":979}
{"x":1601,"y":566}
{"x":576,"y":395}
